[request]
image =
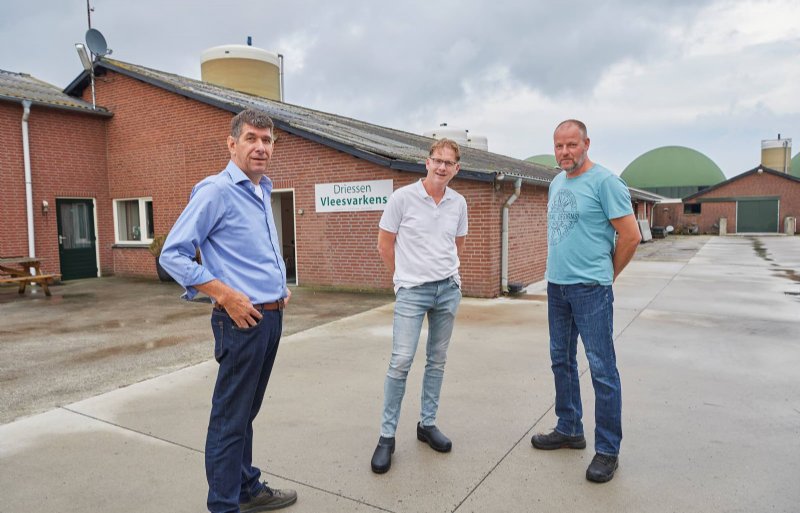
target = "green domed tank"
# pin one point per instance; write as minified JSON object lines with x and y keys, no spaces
{"x":672,"y":171}
{"x":543,"y":159}
{"x":795,"y":171}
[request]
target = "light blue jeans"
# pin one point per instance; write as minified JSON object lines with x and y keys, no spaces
{"x":439,"y":301}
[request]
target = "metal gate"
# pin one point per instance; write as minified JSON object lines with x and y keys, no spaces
{"x":757,"y":216}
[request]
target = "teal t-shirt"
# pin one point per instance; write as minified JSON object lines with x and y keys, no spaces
{"x":580,"y":237}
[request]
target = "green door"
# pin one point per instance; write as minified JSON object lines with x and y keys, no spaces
{"x":757,"y":216}
{"x":76,"y":238}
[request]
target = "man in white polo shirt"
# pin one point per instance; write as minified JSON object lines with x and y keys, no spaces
{"x":422,"y":232}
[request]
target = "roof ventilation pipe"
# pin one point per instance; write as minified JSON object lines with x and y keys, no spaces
{"x":504,"y":250}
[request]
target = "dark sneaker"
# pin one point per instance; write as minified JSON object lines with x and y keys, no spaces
{"x":382,"y":457}
{"x":555,"y":440}
{"x":268,"y":499}
{"x":433,"y":437}
{"x":602,"y":468}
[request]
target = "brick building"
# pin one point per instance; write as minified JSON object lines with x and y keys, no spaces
{"x":131,"y":164}
{"x":756,"y":201}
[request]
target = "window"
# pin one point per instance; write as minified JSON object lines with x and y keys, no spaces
{"x":691,"y":208}
{"x":133,"y":220}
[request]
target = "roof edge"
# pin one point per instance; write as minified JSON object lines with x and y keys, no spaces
{"x":14,"y":99}
{"x":756,"y":169}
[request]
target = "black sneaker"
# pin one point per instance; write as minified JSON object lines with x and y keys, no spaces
{"x":268,"y":499}
{"x":556,"y":440}
{"x":602,"y":468}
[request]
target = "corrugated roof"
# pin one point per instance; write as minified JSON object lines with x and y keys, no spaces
{"x":385,"y":146}
{"x":645,"y":195}
{"x":17,"y":87}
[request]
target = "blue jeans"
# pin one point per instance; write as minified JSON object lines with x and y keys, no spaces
{"x":439,"y":301}
{"x":588,"y":311}
{"x":245,"y":358}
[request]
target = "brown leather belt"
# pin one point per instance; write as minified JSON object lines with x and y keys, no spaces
{"x":276,"y":305}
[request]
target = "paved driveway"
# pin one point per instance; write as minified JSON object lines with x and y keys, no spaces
{"x":709,"y":357}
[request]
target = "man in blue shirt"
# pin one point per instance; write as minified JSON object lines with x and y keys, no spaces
{"x":230,"y":220}
{"x":587,"y":206}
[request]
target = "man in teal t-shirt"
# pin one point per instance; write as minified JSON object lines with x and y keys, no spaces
{"x":587,"y":206}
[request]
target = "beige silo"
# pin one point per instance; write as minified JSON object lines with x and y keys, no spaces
{"x":244,"y":68}
{"x":777,"y":154}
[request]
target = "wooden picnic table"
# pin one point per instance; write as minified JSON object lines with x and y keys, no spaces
{"x":18,"y":270}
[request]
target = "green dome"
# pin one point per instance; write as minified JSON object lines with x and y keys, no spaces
{"x":672,"y":166}
{"x":795,"y":166}
{"x":544,"y":159}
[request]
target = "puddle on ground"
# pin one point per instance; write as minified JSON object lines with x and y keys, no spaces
{"x":530,"y":297}
{"x":129,"y":349}
{"x":759,"y":249}
{"x":787,"y":273}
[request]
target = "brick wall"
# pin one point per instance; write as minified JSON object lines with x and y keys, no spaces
{"x":160,"y":144}
{"x":68,"y":160}
{"x":13,"y":222}
{"x":765,"y":184}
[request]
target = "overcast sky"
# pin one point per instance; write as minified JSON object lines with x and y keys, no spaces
{"x":717,"y":76}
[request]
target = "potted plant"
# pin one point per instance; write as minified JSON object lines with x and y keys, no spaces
{"x":155,"y":250}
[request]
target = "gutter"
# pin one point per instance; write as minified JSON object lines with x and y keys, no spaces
{"x":504,"y":249}
{"x":26,"y":153}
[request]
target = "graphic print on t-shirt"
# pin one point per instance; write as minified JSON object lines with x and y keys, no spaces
{"x":561,"y":216}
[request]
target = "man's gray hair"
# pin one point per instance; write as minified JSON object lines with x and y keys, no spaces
{"x":581,"y":126}
{"x":254,"y":118}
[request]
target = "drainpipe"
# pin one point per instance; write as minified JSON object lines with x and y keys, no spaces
{"x":280,"y":60}
{"x":504,"y":251}
{"x":26,"y":155}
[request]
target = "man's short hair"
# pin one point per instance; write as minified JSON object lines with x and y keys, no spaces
{"x":441,"y":144}
{"x":581,"y":126}
{"x":254,"y":118}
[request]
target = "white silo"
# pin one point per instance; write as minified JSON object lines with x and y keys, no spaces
{"x":777,"y":154}
{"x":244,"y":68}
{"x":461,"y":136}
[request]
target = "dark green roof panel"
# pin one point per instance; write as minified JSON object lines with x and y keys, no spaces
{"x":543,"y":159}
{"x":672,"y":166}
{"x":796,"y":166}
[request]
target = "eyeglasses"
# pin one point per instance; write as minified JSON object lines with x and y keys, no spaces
{"x":449,"y":164}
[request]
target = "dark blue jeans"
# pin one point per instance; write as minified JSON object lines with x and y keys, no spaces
{"x":588,"y":311}
{"x":245,"y":358}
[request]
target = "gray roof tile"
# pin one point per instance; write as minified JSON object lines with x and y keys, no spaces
{"x":21,"y":86}
{"x":393,"y":148}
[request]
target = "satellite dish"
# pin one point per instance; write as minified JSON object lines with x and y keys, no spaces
{"x":96,"y":42}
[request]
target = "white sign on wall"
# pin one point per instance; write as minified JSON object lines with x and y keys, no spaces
{"x":352,"y":196}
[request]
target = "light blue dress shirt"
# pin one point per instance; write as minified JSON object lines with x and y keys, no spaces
{"x":237,"y":237}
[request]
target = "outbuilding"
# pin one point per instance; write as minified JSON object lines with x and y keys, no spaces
{"x":761,"y":200}
{"x":119,"y":175}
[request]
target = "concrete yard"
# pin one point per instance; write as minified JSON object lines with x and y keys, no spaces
{"x":708,"y":344}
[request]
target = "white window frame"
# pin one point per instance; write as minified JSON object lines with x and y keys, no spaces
{"x":142,"y":222}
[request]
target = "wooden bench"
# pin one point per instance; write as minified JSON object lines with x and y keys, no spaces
{"x":42,"y":279}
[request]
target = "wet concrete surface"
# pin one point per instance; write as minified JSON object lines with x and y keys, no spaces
{"x":708,"y":355}
{"x":95,"y":335}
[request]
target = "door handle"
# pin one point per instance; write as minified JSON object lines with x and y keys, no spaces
{"x":61,"y":240}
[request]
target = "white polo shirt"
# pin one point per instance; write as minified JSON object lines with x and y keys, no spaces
{"x":425,"y":247}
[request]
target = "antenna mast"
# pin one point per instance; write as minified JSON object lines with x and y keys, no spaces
{"x":89,"y":11}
